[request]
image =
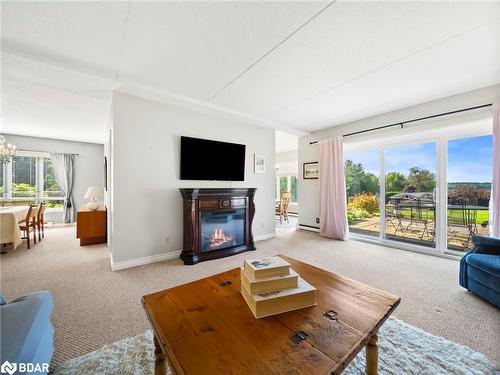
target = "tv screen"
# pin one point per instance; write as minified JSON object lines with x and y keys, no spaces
{"x":202,"y":159}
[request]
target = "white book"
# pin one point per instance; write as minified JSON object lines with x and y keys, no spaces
{"x":269,"y":284}
{"x":265,"y":267}
{"x":271,"y":303}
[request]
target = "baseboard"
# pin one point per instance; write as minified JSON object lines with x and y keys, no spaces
{"x":263,"y":237}
{"x":308,"y":228}
{"x":115,"y":266}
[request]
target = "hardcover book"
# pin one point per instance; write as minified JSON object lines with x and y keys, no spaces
{"x":269,"y":284}
{"x":266,"y":267}
{"x":280,"y":301}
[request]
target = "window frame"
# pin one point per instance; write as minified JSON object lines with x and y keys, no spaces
{"x":39,"y":181}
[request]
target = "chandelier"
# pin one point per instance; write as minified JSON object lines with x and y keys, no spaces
{"x":7,"y":151}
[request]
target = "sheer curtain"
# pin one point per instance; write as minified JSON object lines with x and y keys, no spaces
{"x":495,"y":188}
{"x":332,"y":194}
{"x":63,"y":170}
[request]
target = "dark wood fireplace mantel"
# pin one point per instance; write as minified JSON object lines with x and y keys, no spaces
{"x":220,"y":201}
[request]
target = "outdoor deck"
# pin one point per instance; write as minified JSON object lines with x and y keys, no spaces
{"x":457,"y":236}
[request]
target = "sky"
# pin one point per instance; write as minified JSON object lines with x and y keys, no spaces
{"x":469,"y":159}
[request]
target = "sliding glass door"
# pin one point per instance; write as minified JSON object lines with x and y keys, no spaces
{"x":431,"y":195}
{"x":410,"y":204}
{"x":362,"y":173}
{"x":470,"y":171}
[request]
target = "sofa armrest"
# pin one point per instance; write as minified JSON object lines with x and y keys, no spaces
{"x":486,"y":245}
{"x":23,"y":323}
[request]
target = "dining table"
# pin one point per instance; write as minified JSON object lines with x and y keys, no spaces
{"x":9,"y":223}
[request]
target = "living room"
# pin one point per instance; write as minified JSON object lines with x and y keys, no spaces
{"x":359,"y":141}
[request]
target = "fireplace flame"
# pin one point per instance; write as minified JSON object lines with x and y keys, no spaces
{"x":219,"y":239}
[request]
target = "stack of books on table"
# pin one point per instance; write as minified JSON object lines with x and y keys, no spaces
{"x":270,"y":286}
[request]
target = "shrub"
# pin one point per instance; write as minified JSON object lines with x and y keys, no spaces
{"x":469,"y":195}
{"x":363,"y":204}
{"x":357,"y":214}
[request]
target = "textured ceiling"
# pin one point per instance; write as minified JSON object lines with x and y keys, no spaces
{"x":294,"y":66}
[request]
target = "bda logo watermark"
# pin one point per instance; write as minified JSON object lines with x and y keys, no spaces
{"x":8,"y":367}
{"x":11,"y":368}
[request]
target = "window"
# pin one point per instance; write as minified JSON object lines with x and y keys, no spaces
{"x":50,"y":187}
{"x":286,"y":184}
{"x":24,"y":177}
{"x":30,"y":177}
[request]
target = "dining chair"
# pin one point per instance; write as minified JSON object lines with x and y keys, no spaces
{"x":28,"y":225}
{"x":282,"y":208}
{"x":40,"y":219}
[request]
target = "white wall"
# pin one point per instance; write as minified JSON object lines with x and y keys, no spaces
{"x":309,"y":189}
{"x":287,"y":163}
{"x":88,"y":165}
{"x":145,"y":198}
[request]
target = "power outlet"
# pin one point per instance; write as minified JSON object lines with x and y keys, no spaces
{"x":317,"y":220}
{"x":166,"y":239}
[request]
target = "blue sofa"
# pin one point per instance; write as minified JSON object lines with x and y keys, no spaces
{"x":480,"y":269}
{"x":27,"y":336}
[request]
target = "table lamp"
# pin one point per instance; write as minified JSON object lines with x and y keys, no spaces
{"x":93,"y":193}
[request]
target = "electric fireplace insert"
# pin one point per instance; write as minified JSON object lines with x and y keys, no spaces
{"x":217,"y":223}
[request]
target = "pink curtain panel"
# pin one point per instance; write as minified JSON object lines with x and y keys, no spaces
{"x":495,"y":188}
{"x":332,"y":194}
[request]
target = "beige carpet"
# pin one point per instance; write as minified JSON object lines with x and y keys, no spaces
{"x":94,"y":306}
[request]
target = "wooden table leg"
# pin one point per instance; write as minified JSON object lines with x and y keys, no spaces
{"x":160,"y":363}
{"x":372,"y":355}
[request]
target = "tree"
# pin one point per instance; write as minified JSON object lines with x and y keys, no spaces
{"x":395,"y":181}
{"x":422,"y":179}
{"x":358,"y":181}
{"x":353,"y":175}
{"x":370,"y":184}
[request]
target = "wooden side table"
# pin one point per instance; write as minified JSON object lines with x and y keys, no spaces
{"x":91,"y":226}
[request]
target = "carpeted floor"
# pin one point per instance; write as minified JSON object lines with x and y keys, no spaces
{"x":94,"y":306}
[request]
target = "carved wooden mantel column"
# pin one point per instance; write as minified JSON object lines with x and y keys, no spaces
{"x":198,"y":201}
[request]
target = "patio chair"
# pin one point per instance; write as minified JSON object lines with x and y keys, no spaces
{"x":424,"y":213}
{"x":462,"y":215}
{"x":394,"y":214}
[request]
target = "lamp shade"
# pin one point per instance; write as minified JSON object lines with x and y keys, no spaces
{"x":93,"y":193}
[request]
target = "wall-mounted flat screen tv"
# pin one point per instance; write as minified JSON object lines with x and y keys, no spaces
{"x":203,"y":159}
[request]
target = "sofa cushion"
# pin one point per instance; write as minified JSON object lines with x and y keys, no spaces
{"x":486,"y":263}
{"x":24,"y":323}
{"x":484,"y":278}
{"x":2,"y":300}
{"x":482,"y":291}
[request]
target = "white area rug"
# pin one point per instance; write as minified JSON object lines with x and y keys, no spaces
{"x":403,"y":349}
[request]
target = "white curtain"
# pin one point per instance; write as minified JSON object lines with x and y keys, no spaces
{"x":332,"y":194}
{"x":63,"y":170}
{"x":495,"y":187}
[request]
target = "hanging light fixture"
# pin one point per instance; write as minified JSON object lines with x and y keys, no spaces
{"x":7,"y":151}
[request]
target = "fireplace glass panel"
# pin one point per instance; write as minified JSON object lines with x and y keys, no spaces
{"x":222,"y":229}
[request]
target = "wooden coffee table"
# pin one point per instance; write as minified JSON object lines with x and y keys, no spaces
{"x":205,"y":327}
